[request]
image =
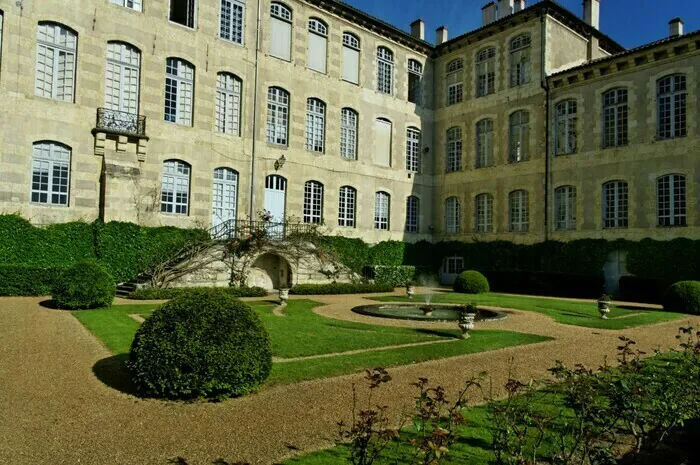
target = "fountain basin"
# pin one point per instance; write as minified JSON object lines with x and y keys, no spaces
{"x":440,"y":312}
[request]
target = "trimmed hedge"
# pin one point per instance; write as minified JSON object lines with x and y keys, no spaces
{"x":684,"y":297}
{"x":174,"y":292}
{"x":649,"y":290}
{"x":20,"y":280}
{"x":394,"y":275}
{"x":339,"y":288}
{"x":203,"y":344}
{"x":84,"y":285}
{"x":550,"y":284}
{"x":471,"y":282}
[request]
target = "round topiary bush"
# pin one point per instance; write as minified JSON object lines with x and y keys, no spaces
{"x":84,"y":285}
{"x":471,"y":282}
{"x":684,"y":296}
{"x":202,"y":344}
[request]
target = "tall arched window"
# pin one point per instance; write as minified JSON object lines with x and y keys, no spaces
{"x":347,"y":201}
{"x":385,"y":70}
{"x":179,"y":91}
{"x":413,"y":150}
{"x":454,"y":150}
{"x":50,"y":173}
{"x":224,"y":195}
{"x":412,"y":211}
{"x":565,"y":126}
{"x":55,"y":62}
{"x":615,"y":204}
{"x":228,"y":104}
{"x":565,"y":208}
{"x":519,"y":136}
{"x":348,"y":134}
{"x":315,"y":125}
{"x":615,"y":118}
{"x":671,"y":200}
{"x":415,"y":81}
{"x":672,"y":95}
{"x":277,"y":115}
{"x":519,"y":211}
{"x":382,"y":205}
{"x":313,"y":202}
{"x":483,"y":213}
{"x":231,"y":20}
{"x":520,"y":60}
{"x":486,"y":72}
{"x":455,"y":85}
{"x":175,"y":187}
{"x":453,"y":215}
{"x":122,"y":78}
{"x":280,"y":31}
{"x":318,"y":45}
{"x":351,"y":58}
{"x":484,"y":143}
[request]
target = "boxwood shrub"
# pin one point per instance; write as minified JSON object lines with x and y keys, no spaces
{"x":27,"y":280}
{"x":684,"y":297}
{"x":202,"y":344}
{"x":173,"y":292}
{"x":339,"y":288}
{"x":84,"y":285}
{"x":471,"y":282}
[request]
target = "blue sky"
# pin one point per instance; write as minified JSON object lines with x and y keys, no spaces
{"x":629,"y":22}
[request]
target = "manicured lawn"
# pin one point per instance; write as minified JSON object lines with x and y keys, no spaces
{"x":303,"y":333}
{"x":567,"y":312}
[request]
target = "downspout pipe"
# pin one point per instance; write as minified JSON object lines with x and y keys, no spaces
{"x":251,"y":206}
{"x":547,"y":158}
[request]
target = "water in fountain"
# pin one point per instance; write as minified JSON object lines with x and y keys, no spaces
{"x":429,"y":284}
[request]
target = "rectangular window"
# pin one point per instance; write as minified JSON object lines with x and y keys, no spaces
{"x":413,"y":150}
{"x":453,"y":265}
{"x":346,"y":207}
{"x":228,"y":104}
{"x":415,"y":81}
{"x":566,"y":121}
{"x":50,"y":173}
{"x":55,"y":62}
{"x":519,"y":211}
{"x":455,"y":93}
{"x":133,"y":4}
{"x":175,"y":188}
{"x":453,"y":218}
{"x":315,"y":125}
{"x":671,"y":200}
{"x":615,"y":118}
{"x":519,"y":136}
{"x":381,"y":211}
{"x":672,"y":97}
{"x":231,"y":20}
{"x":313,"y":202}
{"x":183,"y":12}
{"x":348,"y":134}
{"x":318,"y":46}
{"x":484,"y":143}
{"x":277,"y":115}
{"x":565,"y":208}
{"x":454,"y":150}
{"x":486,"y":72}
{"x":483,"y":213}
{"x":179,"y":89}
{"x":281,"y":38}
{"x":382,"y":150}
{"x":385,"y":70}
{"x":615,"y":204}
{"x":412,"y":214}
{"x":351,"y":58}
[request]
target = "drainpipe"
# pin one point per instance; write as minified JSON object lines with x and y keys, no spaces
{"x":547,"y":159}
{"x":255,"y":116}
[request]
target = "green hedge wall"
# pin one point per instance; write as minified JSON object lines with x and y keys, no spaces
{"x":394,"y":275}
{"x":27,"y":281}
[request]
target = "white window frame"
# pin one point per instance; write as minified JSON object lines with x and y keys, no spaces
{"x":453,"y":215}
{"x":282,"y":13}
{"x":486,"y":72}
{"x":56,"y":62}
{"x":232,"y":21}
{"x":225,"y":192}
{"x":454,"y":93}
{"x":615,"y":204}
{"x":415,"y":81}
{"x":671,"y":200}
{"x":454,"y":150}
{"x":519,"y":135}
{"x":50,"y":173}
{"x":520,"y":60}
{"x":190,"y":17}
{"x":277,"y":116}
{"x":565,"y":208}
{"x":452,"y":265}
{"x":313,"y":202}
{"x":382,"y":210}
{"x":179,"y":91}
{"x":565,"y":127}
{"x":519,"y":211}
{"x":348,"y":133}
{"x":319,"y":30}
{"x":131,"y":4}
{"x":228,"y":104}
{"x":672,"y":109}
{"x":483,"y":213}
{"x":175,"y":187}
{"x":351,"y":47}
{"x":615,"y":118}
{"x":315,"y":125}
{"x":412,"y":214}
{"x":385,"y":71}
{"x":484,"y":143}
{"x":347,"y":206}
{"x":122,"y":77}
{"x":413,"y":144}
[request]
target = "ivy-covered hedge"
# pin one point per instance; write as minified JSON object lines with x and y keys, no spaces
{"x":353,"y":253}
{"x":20,"y":280}
{"x":339,"y":288}
{"x":173,"y":292}
{"x":394,"y":275}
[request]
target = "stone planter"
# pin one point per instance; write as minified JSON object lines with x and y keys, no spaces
{"x":410,"y":291}
{"x":466,"y":323}
{"x":284,"y":295}
{"x":604,"y":308}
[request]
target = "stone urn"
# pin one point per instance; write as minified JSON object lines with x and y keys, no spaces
{"x":604,"y":304}
{"x":466,"y":320}
{"x":284,"y":295}
{"x":410,"y":290}
{"x":427,"y":310}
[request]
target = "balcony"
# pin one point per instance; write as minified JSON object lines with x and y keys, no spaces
{"x":120,"y":123}
{"x":237,"y":229}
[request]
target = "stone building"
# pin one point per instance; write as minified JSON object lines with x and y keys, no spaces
{"x":535,"y":126}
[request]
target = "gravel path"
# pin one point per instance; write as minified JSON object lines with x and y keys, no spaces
{"x":54,"y":409}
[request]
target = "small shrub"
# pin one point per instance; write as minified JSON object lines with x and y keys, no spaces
{"x":202,"y":344}
{"x":339,"y":288}
{"x":684,"y":297}
{"x":173,"y":292}
{"x":471,"y":282}
{"x":84,"y":285}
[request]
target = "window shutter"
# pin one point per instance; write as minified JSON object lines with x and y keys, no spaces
{"x":351,"y":65}
{"x":382,"y":155}
{"x":280,"y":39}
{"x":317,"y":52}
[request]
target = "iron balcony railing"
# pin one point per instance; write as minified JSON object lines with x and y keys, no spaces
{"x":238,"y":229}
{"x":120,"y":122}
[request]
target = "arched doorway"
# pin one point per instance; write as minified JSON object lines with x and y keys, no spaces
{"x":270,"y":271}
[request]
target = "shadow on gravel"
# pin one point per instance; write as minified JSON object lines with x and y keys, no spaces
{"x":50,"y":303}
{"x":113,"y":372}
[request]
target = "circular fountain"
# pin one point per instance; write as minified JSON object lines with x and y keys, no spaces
{"x":425,"y":312}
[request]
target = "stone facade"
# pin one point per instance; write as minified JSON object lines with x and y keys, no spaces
{"x":117,"y":176}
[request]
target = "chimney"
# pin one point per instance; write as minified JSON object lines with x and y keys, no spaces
{"x":676,"y":27}
{"x":440,"y":35}
{"x":505,"y":8}
{"x":488,"y":13}
{"x":418,"y":29}
{"x":519,"y":5}
{"x":591,"y":13}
